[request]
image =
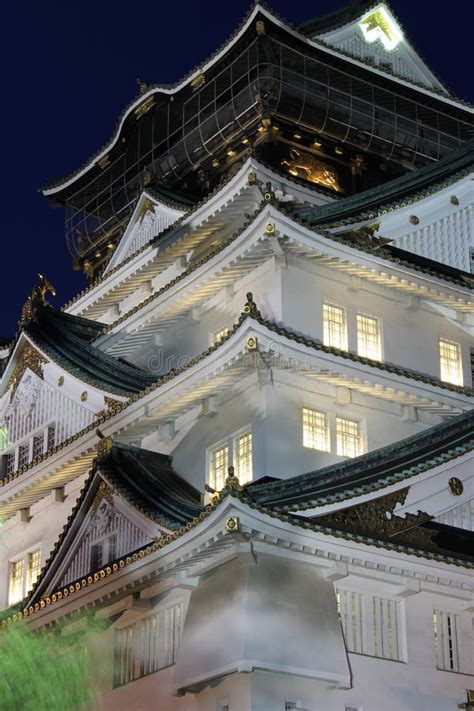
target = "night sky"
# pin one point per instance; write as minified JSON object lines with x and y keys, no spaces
{"x":69,"y":68}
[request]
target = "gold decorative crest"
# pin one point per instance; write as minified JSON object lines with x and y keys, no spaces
{"x":29,"y":358}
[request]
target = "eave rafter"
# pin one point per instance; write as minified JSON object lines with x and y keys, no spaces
{"x":239,"y":195}
{"x":250,"y":247}
{"x":221,"y":367}
{"x":233,"y":525}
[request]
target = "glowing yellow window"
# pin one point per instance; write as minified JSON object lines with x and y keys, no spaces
{"x":219,"y":335}
{"x":335,"y":328}
{"x":315,"y":430}
{"x":33,"y":568}
{"x":219,"y":462}
{"x":369,"y":344}
{"x":348,"y":438}
{"x":450,"y":362}
{"x":15,"y":583}
{"x":243,"y":451}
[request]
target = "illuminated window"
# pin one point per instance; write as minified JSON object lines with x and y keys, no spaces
{"x":219,"y":335}
{"x":368,"y":337}
{"x":33,"y":568}
{"x":23,"y":454}
{"x":243,"y":457}
{"x":445,"y":625}
{"x":15,"y":583}
{"x":348,"y":437}
{"x":315,"y":430}
{"x":335,"y":328}
{"x":450,"y":362}
{"x":38,"y":445}
{"x":219,"y":462}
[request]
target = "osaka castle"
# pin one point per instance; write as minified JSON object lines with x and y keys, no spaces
{"x":246,"y":446}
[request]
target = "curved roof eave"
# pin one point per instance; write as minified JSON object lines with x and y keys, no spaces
{"x":174,"y":88}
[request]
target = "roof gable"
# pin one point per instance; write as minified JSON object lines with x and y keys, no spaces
{"x":371,"y":32}
{"x":151,"y":216}
{"x":132,"y":497}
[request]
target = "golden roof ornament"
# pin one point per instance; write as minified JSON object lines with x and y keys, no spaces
{"x":36,"y":299}
{"x":250,"y":308}
{"x":104,"y":446}
{"x":232,"y":481}
{"x":306,"y":166}
{"x":143,"y":86}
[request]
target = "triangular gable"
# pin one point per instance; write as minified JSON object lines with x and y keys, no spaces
{"x":132,"y":497}
{"x":103,"y":527}
{"x":375,"y":35}
{"x":151,"y":216}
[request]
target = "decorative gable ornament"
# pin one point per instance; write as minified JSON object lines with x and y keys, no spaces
{"x":379,"y":25}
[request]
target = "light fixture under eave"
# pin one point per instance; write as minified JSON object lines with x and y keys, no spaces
{"x":379,"y":24}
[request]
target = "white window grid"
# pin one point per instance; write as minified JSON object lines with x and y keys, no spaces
{"x":445,"y":639}
{"x":316,"y":430}
{"x":218,"y":466}
{"x":28,"y":450}
{"x":33,"y":568}
{"x":243,"y":457}
{"x":334,"y":326}
{"x":15,"y":581}
{"x":9,"y":463}
{"x":369,"y":341}
{"x":450,"y":362}
{"x":348,"y":437}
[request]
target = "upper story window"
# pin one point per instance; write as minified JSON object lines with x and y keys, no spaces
{"x":15,"y":582}
{"x":236,"y":450}
{"x":445,"y":637}
{"x":218,"y":465}
{"x":243,"y":457}
{"x":450,"y":362}
{"x":334,"y":326}
{"x":370,"y":624}
{"x":369,"y":342}
{"x":148,"y":645}
{"x":22,"y":575}
{"x":348,"y":437}
{"x":51,"y":436}
{"x":316,"y":430}
{"x":33,"y":568}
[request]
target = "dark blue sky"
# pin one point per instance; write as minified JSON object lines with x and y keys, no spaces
{"x":70,"y":67}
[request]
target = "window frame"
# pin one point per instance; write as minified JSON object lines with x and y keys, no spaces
{"x":361,"y":448}
{"x":327,"y":430}
{"x":459,"y":382}
{"x":344,"y":346}
{"x":378,"y":320}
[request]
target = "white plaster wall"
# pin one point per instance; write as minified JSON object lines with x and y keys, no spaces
{"x":409,"y":337}
{"x":274,"y":414}
{"x":47,"y":518}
